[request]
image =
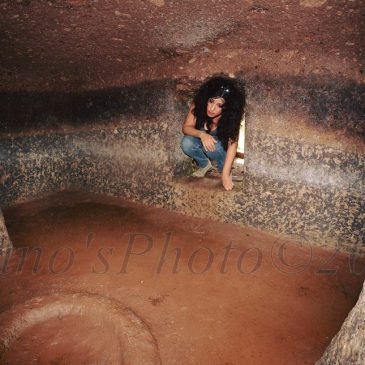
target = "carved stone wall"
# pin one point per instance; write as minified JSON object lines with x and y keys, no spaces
{"x":5,"y":242}
{"x":304,"y":162}
{"x":348,"y":346}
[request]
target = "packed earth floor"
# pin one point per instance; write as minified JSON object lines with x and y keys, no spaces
{"x":204,"y":292}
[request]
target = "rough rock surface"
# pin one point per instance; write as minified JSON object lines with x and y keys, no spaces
{"x":348,"y":346}
{"x":70,"y":121}
{"x":5,"y":241}
{"x":304,"y":171}
{"x":76,"y":44}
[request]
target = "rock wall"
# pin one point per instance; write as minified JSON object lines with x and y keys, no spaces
{"x":112,"y":141}
{"x":304,"y":158}
{"x":348,"y":346}
{"x":5,"y":242}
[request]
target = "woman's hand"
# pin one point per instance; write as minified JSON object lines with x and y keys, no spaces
{"x":227,"y":181}
{"x":208,"y":141}
{"x":227,"y":167}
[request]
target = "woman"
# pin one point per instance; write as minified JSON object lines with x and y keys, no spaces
{"x":212,"y":126}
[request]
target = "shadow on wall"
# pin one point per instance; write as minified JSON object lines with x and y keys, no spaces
{"x":332,"y":103}
{"x":26,"y":111}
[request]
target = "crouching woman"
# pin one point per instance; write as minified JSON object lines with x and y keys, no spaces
{"x":212,"y":126}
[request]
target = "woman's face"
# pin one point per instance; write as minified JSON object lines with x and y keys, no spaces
{"x":214,"y":107}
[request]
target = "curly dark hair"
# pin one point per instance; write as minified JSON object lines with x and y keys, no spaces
{"x":232,"y":110}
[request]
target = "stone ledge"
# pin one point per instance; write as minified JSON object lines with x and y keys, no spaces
{"x":327,"y":218}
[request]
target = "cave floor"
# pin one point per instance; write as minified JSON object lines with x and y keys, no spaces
{"x":210,"y":293}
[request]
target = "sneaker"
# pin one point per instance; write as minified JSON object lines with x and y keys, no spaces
{"x":202,"y":170}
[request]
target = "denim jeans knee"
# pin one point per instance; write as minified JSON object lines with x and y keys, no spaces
{"x":193,"y":147}
{"x":189,"y":144}
{"x":219,"y":154}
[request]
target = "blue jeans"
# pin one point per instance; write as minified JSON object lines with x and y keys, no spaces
{"x":193,"y":147}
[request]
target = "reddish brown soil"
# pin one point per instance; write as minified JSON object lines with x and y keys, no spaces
{"x":59,"y":335}
{"x":265,"y":309}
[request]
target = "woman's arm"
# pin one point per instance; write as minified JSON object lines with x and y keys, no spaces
{"x":228,"y":162}
{"x":189,"y":129}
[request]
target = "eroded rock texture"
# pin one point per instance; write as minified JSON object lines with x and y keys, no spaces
{"x":77,"y":44}
{"x":304,"y":159}
{"x":5,"y":242}
{"x":93,"y":95}
{"x":348,"y":346}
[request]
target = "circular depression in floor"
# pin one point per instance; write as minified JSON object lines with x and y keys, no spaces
{"x":79,"y":328}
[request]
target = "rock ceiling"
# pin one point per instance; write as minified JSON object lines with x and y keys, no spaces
{"x":88,"y":44}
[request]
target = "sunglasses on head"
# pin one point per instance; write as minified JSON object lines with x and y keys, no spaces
{"x":223,"y":90}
